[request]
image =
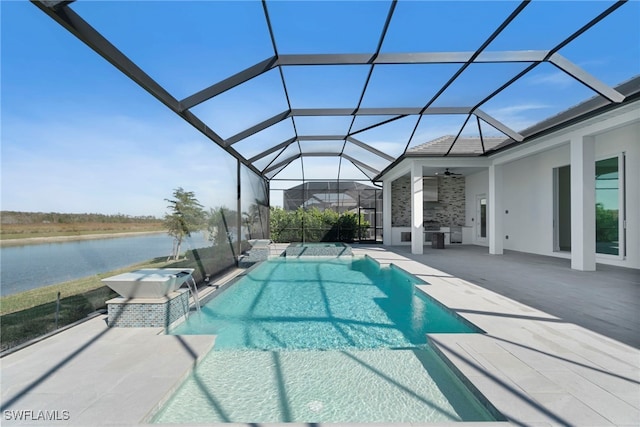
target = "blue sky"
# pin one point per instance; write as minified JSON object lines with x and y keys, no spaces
{"x":78,"y":136}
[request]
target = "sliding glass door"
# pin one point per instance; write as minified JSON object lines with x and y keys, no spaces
{"x":610,"y":206}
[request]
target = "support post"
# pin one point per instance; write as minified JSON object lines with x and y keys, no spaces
{"x":495,"y":208}
{"x":386,"y":213}
{"x":417,"y":228}
{"x":583,"y":202}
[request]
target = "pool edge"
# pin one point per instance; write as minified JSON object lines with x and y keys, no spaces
{"x":467,"y":383}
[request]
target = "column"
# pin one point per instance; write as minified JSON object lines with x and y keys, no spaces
{"x":417,"y":228}
{"x":386,"y":212}
{"x":495,"y":208}
{"x":583,"y":202}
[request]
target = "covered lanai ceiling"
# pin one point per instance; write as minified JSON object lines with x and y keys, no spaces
{"x":347,"y":88}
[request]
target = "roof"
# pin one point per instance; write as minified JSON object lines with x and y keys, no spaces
{"x":331,"y":186}
{"x":340,"y":195}
{"x":342,"y":90}
{"x":452,"y":145}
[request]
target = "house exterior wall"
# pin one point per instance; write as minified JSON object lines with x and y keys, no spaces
{"x":527,"y":190}
{"x":450,"y":209}
{"x":529,"y":201}
{"x":529,"y":197}
{"x":401,"y":202}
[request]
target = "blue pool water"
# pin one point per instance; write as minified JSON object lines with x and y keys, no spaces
{"x":335,"y":341}
{"x":329,"y":304}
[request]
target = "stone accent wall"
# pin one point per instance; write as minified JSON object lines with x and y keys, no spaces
{"x":125,"y":313}
{"x":450,"y":209}
{"x":401,"y":202}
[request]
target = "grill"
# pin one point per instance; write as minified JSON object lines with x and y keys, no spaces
{"x":429,"y":228}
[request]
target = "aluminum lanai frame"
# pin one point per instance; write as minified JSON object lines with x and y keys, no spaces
{"x":62,"y":12}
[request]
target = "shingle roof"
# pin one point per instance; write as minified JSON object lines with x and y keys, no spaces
{"x":463,"y":145}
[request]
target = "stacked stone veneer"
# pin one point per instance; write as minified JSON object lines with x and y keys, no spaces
{"x":450,"y":209}
{"x":152,"y":313}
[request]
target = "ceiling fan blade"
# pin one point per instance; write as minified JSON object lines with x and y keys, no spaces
{"x":447,"y":172}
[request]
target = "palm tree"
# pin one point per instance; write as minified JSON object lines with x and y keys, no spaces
{"x":186,"y":216}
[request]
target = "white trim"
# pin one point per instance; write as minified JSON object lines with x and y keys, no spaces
{"x":619,"y":117}
{"x":417,"y":217}
{"x":387,"y":238}
{"x":495,"y":208}
{"x":583,"y":195}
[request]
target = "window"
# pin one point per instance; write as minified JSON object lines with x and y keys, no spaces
{"x":482,"y":217}
{"x":609,"y":212}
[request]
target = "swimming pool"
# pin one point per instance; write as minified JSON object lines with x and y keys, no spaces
{"x":322,"y":305}
{"x":332,"y":340}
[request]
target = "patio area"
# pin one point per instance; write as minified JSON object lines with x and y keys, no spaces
{"x":606,"y":301}
{"x":539,"y":363}
{"x":515,"y":122}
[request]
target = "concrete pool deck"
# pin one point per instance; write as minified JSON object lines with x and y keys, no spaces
{"x":536,"y":368}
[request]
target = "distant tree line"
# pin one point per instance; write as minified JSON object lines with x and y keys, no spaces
{"x":14,"y":217}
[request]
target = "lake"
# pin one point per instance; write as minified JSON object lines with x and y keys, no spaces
{"x":33,"y":266}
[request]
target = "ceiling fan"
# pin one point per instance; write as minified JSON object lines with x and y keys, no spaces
{"x":447,"y":172}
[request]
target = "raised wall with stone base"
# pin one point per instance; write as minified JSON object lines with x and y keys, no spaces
{"x":148,"y":312}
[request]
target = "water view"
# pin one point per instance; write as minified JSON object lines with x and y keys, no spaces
{"x":33,"y":266}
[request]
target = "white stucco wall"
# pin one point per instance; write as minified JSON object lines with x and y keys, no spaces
{"x":528,"y":172}
{"x":529,"y":199}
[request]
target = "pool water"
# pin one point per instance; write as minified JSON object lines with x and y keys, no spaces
{"x":332,"y":340}
{"x":330,"y":304}
{"x":355,"y":386}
